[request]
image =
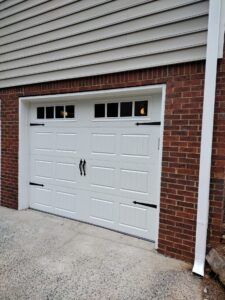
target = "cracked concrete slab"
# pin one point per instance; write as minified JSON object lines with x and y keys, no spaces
{"x":49,"y":257}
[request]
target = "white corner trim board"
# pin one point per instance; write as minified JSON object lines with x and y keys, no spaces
{"x":222,"y":29}
{"x":207,"y":135}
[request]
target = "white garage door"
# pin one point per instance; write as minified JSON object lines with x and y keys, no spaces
{"x":90,"y":161}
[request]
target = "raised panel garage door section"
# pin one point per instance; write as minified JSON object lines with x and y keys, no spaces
{"x":90,"y":161}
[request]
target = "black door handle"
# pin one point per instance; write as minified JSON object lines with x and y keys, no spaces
{"x":84,"y":167}
{"x":80,"y":167}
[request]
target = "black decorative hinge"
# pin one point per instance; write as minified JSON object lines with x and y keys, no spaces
{"x":36,"y":184}
{"x":37,"y":124}
{"x":148,"y":123}
{"x":145,"y":204}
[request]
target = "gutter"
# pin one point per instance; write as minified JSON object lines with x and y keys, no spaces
{"x":207,"y":135}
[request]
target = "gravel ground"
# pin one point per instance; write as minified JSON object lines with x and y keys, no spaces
{"x":48,"y":257}
{"x":212,"y":289}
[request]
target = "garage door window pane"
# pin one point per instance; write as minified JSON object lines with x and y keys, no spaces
{"x":69,"y":111}
{"x":59,"y":112}
{"x":126,"y":109}
{"x":141,"y":108}
{"x":99,"y":110}
{"x":40,"y":113}
{"x":112,"y":110}
{"x":50,"y":112}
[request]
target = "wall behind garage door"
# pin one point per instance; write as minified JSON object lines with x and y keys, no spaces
{"x":180,"y":153}
{"x":51,"y":40}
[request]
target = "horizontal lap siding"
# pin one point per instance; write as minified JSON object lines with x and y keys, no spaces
{"x":51,"y":41}
{"x":28,"y":10}
{"x":107,"y":22}
{"x":92,"y":55}
{"x":12,"y":5}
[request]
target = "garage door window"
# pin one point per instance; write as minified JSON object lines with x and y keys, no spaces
{"x":112,"y":110}
{"x":59,"y":113}
{"x":126,"y":109}
{"x":40,"y":113}
{"x":99,"y":110}
{"x":69,"y":111}
{"x":56,"y":112}
{"x":50,"y":112}
{"x":141,"y":108}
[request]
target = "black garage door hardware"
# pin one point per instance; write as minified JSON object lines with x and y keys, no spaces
{"x":82,"y":167}
{"x":145,"y":204}
{"x":148,"y":123}
{"x":37,"y":184}
{"x":37,"y":124}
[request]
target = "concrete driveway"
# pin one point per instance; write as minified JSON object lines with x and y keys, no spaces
{"x":48,"y":257}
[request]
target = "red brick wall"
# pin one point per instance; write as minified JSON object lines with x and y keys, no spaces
{"x":0,"y":152}
{"x":217,"y":195}
{"x":181,"y":144}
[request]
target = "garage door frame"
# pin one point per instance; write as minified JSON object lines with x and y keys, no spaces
{"x":24,"y":105}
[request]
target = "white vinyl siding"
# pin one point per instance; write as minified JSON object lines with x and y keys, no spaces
{"x":53,"y":40}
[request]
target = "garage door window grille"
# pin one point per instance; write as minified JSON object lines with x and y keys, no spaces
{"x":121,"y":109}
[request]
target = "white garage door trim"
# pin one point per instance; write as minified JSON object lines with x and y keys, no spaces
{"x":24,"y":105}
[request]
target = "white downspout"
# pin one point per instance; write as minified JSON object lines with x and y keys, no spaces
{"x":207,"y":135}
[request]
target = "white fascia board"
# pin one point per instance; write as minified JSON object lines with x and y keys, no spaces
{"x":207,"y":135}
